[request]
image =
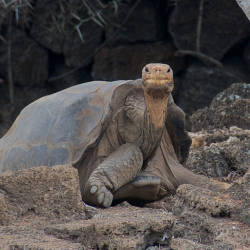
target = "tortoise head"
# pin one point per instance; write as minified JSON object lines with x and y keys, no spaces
{"x":157,"y":80}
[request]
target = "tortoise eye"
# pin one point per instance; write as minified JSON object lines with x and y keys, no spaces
{"x":146,"y":70}
{"x":168,"y":70}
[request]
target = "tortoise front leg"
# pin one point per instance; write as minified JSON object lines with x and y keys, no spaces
{"x":119,"y":168}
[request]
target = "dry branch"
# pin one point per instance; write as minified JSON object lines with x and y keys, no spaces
{"x":208,"y":60}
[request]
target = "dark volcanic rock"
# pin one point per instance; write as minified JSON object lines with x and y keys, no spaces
{"x":141,"y":25}
{"x":247,"y":55}
{"x":29,"y":61}
{"x":200,"y":84}
{"x":44,"y":29}
{"x":218,"y":33}
{"x":112,"y":64}
{"x":54,"y":26}
{"x":80,"y":53}
{"x":229,"y":108}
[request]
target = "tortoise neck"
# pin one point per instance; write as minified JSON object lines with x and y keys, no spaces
{"x":156,"y":110}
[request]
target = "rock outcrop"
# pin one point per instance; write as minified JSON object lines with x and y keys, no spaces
{"x":110,"y":64}
{"x":200,"y":84}
{"x":41,"y":191}
{"x":220,"y":153}
{"x":231,"y":107}
{"x":216,"y":35}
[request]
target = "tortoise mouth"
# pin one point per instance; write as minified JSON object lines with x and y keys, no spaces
{"x":158,"y":87}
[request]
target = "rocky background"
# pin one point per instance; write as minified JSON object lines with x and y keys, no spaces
{"x":46,"y":46}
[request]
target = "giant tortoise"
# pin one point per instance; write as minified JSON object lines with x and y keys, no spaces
{"x":126,"y":138}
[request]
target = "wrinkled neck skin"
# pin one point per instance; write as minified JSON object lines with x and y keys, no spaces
{"x":156,"y":110}
{"x":154,"y":122}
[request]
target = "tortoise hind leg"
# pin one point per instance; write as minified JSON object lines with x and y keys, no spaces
{"x":143,"y":188}
{"x":162,"y":176}
{"x":153,"y":183}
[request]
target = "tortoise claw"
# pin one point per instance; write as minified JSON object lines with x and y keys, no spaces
{"x":101,"y":196}
{"x":93,"y":189}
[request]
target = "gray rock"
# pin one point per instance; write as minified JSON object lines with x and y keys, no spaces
{"x":229,"y":108}
{"x":221,"y":153}
{"x":43,"y":191}
{"x":218,"y":34}
{"x":194,"y":207}
{"x":240,"y":191}
{"x":179,"y":243}
{"x":201,"y":199}
{"x":119,"y":228}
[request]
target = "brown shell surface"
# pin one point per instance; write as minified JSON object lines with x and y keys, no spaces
{"x":57,"y":129}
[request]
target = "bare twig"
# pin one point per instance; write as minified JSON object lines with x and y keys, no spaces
{"x":208,"y":60}
{"x":199,"y":26}
{"x":9,"y":62}
{"x":55,"y":78}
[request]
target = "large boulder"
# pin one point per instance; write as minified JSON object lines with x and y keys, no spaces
{"x":126,"y":62}
{"x":200,"y":84}
{"x":231,"y":107}
{"x":133,"y":23}
{"x":218,"y":32}
{"x":55,"y":27}
{"x":41,"y":191}
{"x":29,"y":61}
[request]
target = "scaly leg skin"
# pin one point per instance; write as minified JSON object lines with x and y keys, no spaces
{"x":153,"y":183}
{"x":175,"y":124}
{"x":143,"y":187}
{"x":119,"y":168}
